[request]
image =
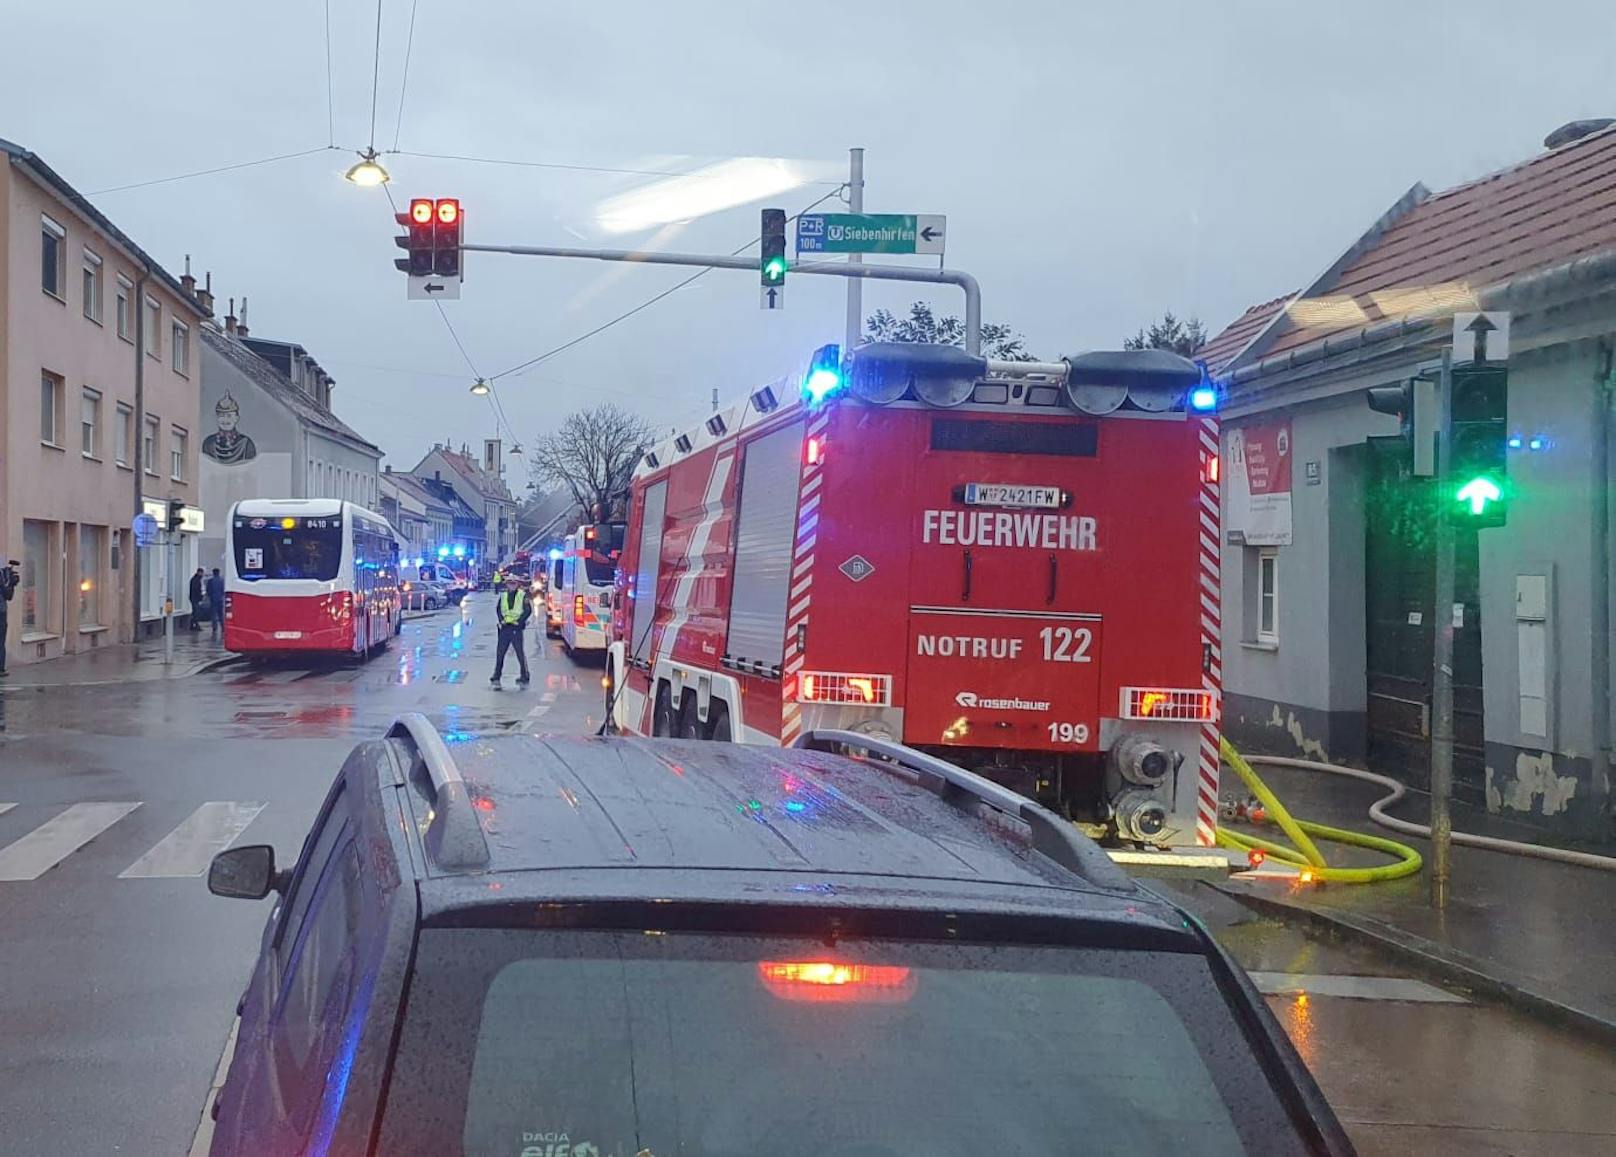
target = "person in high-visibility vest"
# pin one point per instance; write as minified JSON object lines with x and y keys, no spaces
{"x":512,"y":610}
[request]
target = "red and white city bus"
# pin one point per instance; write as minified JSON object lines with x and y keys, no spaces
{"x":310,"y":575}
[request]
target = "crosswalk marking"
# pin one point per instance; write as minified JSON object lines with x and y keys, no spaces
{"x":188,"y":849}
{"x":1353,"y":987}
{"x":36,"y":853}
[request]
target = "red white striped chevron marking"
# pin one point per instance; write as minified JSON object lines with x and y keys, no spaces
{"x":802,"y":579}
{"x":1206,"y":798}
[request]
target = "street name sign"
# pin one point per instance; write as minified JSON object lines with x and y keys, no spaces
{"x":871,"y":233}
{"x":429,"y":288}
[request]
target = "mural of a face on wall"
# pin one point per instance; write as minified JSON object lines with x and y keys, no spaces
{"x":228,"y":444}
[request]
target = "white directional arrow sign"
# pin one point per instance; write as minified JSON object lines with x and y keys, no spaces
{"x":773,"y":297}
{"x":434,"y":288}
{"x":1481,"y":337}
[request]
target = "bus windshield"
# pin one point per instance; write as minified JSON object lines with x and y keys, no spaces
{"x":288,"y":548}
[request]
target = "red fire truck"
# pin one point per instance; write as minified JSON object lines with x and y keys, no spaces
{"x":1011,"y":565}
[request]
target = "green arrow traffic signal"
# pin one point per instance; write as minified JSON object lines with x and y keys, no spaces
{"x":1477,"y":493}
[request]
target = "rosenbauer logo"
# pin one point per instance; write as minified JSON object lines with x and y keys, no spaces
{"x":972,"y":699}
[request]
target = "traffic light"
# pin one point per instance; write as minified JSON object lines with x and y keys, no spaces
{"x":772,"y":262}
{"x":1478,"y":468}
{"x":446,"y":227}
{"x":1415,"y":403}
{"x":176,"y":515}
{"x":418,"y":238}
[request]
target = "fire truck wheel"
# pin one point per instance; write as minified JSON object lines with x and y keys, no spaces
{"x":720,"y":724}
{"x":689,"y":722}
{"x":662,"y":718}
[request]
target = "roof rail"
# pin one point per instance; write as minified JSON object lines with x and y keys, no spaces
{"x":454,"y":836}
{"x":1051,"y":835}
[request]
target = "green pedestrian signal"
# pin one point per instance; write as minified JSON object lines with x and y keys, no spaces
{"x":1477,"y":459}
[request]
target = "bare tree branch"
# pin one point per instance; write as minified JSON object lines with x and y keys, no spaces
{"x":593,"y":455}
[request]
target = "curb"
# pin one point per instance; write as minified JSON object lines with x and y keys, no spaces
{"x":1444,"y":963}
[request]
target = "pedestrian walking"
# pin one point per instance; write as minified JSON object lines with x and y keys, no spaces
{"x":512,"y":609}
{"x":8,"y":587}
{"x":197,"y":595}
{"x":215,"y":588}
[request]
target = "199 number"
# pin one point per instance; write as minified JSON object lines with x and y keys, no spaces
{"x":1069,"y":732}
{"x":1064,"y":645}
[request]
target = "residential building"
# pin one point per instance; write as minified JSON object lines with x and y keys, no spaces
{"x":1328,"y":557}
{"x":425,"y":521}
{"x":98,"y":352}
{"x":481,"y":485}
{"x":271,"y":432}
{"x":468,"y":530}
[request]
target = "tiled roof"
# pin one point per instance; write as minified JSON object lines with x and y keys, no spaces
{"x":1221,"y":350}
{"x":487,"y":484}
{"x":1546,"y":211}
{"x":280,"y":387}
{"x":415,"y":487}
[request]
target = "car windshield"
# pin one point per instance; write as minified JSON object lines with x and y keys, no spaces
{"x":623,"y":1043}
{"x":267,"y":548}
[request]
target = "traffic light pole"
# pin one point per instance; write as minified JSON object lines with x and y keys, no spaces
{"x":973,"y":292}
{"x":1442,"y":674}
{"x":855,"y":287}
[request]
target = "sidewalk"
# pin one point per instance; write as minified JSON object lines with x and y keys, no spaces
{"x":1530,"y":932}
{"x":121,"y":663}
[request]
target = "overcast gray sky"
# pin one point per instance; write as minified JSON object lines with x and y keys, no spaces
{"x":1098,"y":162}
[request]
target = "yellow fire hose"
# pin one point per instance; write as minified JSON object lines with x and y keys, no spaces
{"x":1305,"y":854}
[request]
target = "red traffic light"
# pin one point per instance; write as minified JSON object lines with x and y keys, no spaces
{"x":421,"y":211}
{"x":448,"y":211}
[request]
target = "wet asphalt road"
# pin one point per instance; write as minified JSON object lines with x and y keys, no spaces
{"x":119,"y":974}
{"x":117,"y":992}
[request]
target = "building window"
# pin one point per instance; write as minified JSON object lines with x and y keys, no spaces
{"x":125,"y":431}
{"x":90,"y":423}
{"x":180,"y":336}
{"x":50,"y":409}
{"x":52,"y":241}
{"x":1268,"y":596}
{"x":148,"y":446}
{"x":92,"y":546}
{"x":92,"y":287}
{"x":126,"y":291}
{"x":34,"y":593}
{"x":176,"y":454}
{"x":154,"y":328}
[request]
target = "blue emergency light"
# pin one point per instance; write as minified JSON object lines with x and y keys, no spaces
{"x":460,"y":552}
{"x":824,"y":375}
{"x":1204,"y":398}
{"x":443,"y":552}
{"x":555,"y":555}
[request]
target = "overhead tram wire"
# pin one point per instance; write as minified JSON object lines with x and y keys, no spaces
{"x":522,"y":367}
{"x":376,"y":76}
{"x":330,"y":99}
{"x":409,"y":46}
{"x":212,"y":171}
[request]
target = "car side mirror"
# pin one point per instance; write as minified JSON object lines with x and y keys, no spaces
{"x":246,"y":873}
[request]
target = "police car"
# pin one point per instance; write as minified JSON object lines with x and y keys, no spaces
{"x":581,"y":947}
